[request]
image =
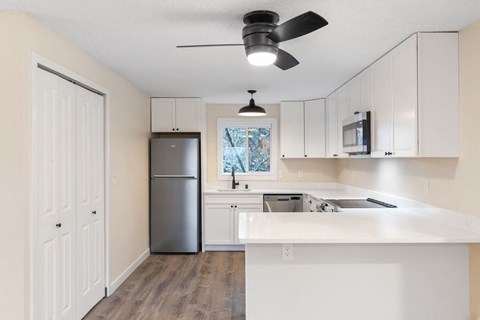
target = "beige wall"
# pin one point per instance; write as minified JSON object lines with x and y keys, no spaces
{"x":129,"y":131}
{"x":454,"y":183}
{"x":314,"y":170}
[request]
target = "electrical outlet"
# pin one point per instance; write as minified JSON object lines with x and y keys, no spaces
{"x":287,"y":251}
{"x":426,"y":186}
{"x":300,"y":173}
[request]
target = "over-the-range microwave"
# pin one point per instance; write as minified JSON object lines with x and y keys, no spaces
{"x":356,"y":133}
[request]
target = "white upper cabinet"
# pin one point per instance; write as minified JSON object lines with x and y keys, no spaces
{"x":176,"y":114}
{"x":404,"y":84}
{"x":438,"y":117}
{"x":302,"y":129}
{"x":382,"y":93}
{"x":292,"y":130}
{"x":354,"y":95}
{"x":415,"y":98}
{"x":342,"y":114}
{"x":315,"y":132}
{"x":412,"y":92}
{"x":394,"y":82}
{"x":332,"y":126}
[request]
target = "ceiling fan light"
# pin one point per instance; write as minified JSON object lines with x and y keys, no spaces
{"x":262,"y":58}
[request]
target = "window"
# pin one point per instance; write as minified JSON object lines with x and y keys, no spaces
{"x":249,"y":146}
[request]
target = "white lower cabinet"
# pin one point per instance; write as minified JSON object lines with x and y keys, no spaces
{"x":221,"y":218}
{"x":67,"y":198}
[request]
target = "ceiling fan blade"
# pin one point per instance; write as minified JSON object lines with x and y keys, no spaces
{"x":285,"y":60}
{"x":212,"y":45}
{"x":297,"y":27}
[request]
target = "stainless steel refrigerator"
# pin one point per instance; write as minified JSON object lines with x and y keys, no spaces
{"x":174,"y":195}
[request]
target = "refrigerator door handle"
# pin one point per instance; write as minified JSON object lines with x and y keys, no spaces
{"x":178,"y":176}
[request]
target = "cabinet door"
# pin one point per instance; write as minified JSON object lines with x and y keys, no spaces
{"x":332,"y":127}
{"x":315,"y":128}
{"x":292,"y":130}
{"x":187,"y":114}
{"x":163,"y":114}
{"x":382,"y":93}
{"x":342,"y":114}
{"x":366,"y":90}
{"x":219,"y":224}
{"x":404,"y":67}
{"x":354,"y":95}
{"x":243,"y":208}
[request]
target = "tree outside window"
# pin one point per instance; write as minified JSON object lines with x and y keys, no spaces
{"x":248,"y":146}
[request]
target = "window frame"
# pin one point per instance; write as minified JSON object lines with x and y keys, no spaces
{"x":245,"y":123}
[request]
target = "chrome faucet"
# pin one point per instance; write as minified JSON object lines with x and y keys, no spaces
{"x":234,"y":183}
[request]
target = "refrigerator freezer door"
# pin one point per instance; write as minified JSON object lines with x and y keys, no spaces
{"x":174,"y":157}
{"x":174,"y":215}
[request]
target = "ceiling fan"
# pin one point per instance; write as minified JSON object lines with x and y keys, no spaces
{"x":261,"y":37}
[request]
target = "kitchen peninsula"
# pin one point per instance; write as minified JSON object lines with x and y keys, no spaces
{"x":358,"y":264}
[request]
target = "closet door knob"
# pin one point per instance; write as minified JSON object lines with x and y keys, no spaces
{"x":58,"y":225}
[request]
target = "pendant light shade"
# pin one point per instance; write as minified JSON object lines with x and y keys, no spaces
{"x":252,"y":110}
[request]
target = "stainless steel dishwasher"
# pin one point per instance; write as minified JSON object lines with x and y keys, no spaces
{"x":283,"y":203}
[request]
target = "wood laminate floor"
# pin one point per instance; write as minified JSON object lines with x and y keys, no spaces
{"x":209,"y":286}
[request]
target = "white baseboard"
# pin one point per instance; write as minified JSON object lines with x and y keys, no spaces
{"x":227,"y":247}
{"x":125,"y":274}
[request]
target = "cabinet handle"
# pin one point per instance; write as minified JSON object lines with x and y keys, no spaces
{"x":235,"y":206}
{"x":386,"y":153}
{"x":335,"y":155}
{"x":173,"y":129}
{"x":177,"y":129}
{"x":94,"y":212}
{"x":283,"y":156}
{"x":231,"y":206}
{"x":58,"y":225}
{"x":305,"y":156}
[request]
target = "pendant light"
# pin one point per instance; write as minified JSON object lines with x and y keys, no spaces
{"x":252,"y":110}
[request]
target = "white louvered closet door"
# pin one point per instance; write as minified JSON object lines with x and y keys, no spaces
{"x":54,"y":197}
{"x":90,"y":199}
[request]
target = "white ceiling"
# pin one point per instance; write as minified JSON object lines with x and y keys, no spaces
{"x":137,"y":39}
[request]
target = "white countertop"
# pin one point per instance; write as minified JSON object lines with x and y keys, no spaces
{"x":352,"y":226}
{"x":411,"y":222}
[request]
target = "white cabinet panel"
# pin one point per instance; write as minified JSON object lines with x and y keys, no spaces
{"x":382,"y":94}
{"x":365,"y":90}
{"x":221,"y":216}
{"x":175,"y":114}
{"x":332,"y":126}
{"x":342,"y":114}
{"x":292,"y":130}
{"x":315,"y":132}
{"x":163,"y":114}
{"x":404,"y":72}
{"x":219,"y":224}
{"x":187,"y":114}
{"x":438,"y":118}
{"x":354,"y":95}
